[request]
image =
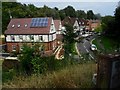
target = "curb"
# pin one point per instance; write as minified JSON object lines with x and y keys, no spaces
{"x":77,"y":49}
{"x":92,"y":41}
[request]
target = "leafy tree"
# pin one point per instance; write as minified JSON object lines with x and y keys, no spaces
{"x":26,"y":58}
{"x":90,"y":15}
{"x":98,"y":16}
{"x":62,"y":14}
{"x":68,"y":39}
{"x":70,"y":11}
{"x":69,"y":33}
{"x":81,"y":14}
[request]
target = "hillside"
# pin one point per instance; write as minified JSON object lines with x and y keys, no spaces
{"x":76,"y":76}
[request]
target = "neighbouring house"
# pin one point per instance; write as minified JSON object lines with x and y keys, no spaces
{"x":31,"y":30}
{"x":71,"y":21}
{"x":59,"y":31}
{"x":83,"y":25}
{"x":94,"y":24}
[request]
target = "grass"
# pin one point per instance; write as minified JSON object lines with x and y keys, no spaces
{"x":76,"y":76}
{"x":96,"y":43}
{"x":74,"y":49}
{"x":108,"y":45}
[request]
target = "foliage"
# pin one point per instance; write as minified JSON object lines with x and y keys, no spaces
{"x":33,"y":61}
{"x":77,"y":76}
{"x":70,"y":11}
{"x":98,"y":29}
{"x":90,"y":15}
{"x":26,"y":58}
{"x":69,"y":34}
{"x":110,"y":26}
{"x":81,"y":14}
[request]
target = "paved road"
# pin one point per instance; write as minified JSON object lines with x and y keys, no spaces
{"x":84,"y":46}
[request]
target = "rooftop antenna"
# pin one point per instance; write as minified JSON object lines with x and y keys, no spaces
{"x":10,"y":14}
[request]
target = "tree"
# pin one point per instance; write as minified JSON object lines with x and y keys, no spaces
{"x":117,"y":25}
{"x":26,"y":58}
{"x":90,"y":15}
{"x":70,"y":11}
{"x":108,"y":25}
{"x":62,"y":14}
{"x":81,"y":14}
{"x":98,"y":16}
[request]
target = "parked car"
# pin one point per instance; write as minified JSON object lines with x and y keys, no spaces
{"x":85,"y":35}
{"x":93,"y":47}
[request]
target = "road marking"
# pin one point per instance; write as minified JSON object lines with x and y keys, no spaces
{"x":86,"y":49}
{"x":91,"y":56}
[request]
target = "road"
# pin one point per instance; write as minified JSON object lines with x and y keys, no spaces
{"x":84,"y":46}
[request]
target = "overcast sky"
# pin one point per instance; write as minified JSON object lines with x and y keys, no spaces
{"x":106,"y":7}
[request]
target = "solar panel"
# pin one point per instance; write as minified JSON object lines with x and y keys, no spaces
{"x":39,"y":22}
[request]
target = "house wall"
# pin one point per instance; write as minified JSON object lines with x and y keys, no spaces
{"x":76,"y":26}
{"x":52,"y":27}
{"x":49,"y":46}
{"x":26,"y":38}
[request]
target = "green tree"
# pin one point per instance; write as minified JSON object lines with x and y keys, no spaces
{"x":70,"y":11}
{"x":62,"y":14}
{"x":90,"y":15}
{"x":26,"y":58}
{"x":81,"y":14}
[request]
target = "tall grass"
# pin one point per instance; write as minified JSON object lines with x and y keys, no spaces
{"x":77,"y":76}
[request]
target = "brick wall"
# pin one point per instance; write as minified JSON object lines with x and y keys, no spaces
{"x":48,"y":46}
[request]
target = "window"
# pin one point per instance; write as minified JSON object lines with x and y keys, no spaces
{"x":40,"y":38}
{"x":31,"y":37}
{"x":26,"y":25}
{"x":12,"y":38}
{"x":75,"y":27}
{"x":13,"y":48}
{"x":20,"y":37}
{"x":18,"y":25}
{"x":13,"y":26}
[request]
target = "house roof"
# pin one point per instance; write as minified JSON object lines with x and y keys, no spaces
{"x":69,"y":20}
{"x":14,"y":29}
{"x":83,"y":22}
{"x":57,"y":23}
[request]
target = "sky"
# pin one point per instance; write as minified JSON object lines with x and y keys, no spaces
{"x":106,"y":7}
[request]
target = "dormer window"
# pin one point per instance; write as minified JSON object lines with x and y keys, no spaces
{"x":26,"y":25}
{"x":13,"y":26}
{"x":18,"y":25}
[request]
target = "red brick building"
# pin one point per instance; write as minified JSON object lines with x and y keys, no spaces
{"x":29,"y":30}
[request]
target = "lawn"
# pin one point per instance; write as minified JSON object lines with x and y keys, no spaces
{"x":105,"y":44}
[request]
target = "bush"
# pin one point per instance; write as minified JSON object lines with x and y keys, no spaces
{"x":26,"y":58}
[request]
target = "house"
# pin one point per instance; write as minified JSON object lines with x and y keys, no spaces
{"x":59,"y":31}
{"x":31,"y":30}
{"x":71,"y":21}
{"x":83,"y":25}
{"x":93,"y":24}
